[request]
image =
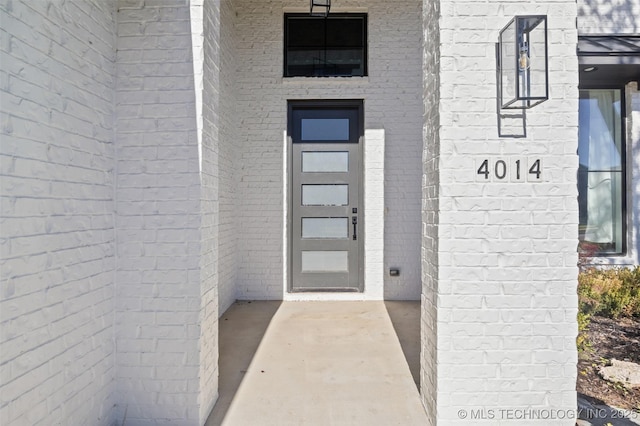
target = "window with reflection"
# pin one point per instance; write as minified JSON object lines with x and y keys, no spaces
{"x":331,"y":46}
{"x":601,"y":173}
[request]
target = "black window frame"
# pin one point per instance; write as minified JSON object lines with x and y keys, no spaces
{"x":332,"y":16}
{"x":352,"y":109}
{"x":623,"y":173}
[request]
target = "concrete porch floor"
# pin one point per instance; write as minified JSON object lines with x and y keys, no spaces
{"x":319,"y":363}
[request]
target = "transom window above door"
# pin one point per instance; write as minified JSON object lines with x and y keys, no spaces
{"x":325,"y":47}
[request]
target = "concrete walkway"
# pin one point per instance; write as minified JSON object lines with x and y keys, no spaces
{"x":322,"y":363}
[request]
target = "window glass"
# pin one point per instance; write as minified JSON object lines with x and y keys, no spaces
{"x":332,"y":46}
{"x":321,"y":123}
{"x":601,"y":171}
{"x":325,"y":129}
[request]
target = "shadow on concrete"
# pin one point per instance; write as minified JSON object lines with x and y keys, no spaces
{"x":405,"y":317}
{"x":241,"y":329}
{"x":594,"y":412}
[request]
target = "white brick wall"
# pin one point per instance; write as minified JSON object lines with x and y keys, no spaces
{"x":199,"y":217}
{"x":430,"y":207}
{"x":392,"y":99}
{"x":218,"y":243}
{"x":164,"y":291}
{"x":608,"y":17}
{"x":503,"y":268}
{"x":229,"y":152}
{"x":57,"y":268}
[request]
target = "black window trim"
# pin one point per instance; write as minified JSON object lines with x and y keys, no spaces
{"x":365,"y":42}
{"x":310,"y":108}
{"x":623,"y":162}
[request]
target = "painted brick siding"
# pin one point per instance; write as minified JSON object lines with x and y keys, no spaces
{"x":207,"y":141}
{"x":57,"y":268}
{"x":430,"y":207}
{"x":506,"y":252}
{"x":159,"y":291}
{"x":229,"y":151}
{"x":215,"y":245}
{"x":392,"y":99}
{"x":608,"y":17}
{"x":219,"y":145}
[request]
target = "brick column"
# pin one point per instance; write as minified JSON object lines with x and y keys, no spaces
{"x":499,"y":267}
{"x":158,"y":201}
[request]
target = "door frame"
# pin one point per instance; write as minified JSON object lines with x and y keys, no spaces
{"x":357,"y":104}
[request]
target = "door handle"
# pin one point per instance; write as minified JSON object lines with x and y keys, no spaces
{"x":354,"y":222}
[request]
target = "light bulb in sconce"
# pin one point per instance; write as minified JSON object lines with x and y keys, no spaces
{"x":524,"y":61}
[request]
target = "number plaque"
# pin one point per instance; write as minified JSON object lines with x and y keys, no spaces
{"x":509,"y":169}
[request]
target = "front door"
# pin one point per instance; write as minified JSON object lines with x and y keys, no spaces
{"x":326,"y":209}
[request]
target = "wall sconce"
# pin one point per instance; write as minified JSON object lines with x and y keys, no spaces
{"x":320,"y":8}
{"x":522,"y":62}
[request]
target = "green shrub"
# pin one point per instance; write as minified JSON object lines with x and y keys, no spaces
{"x":582,"y":340}
{"x":609,"y":292}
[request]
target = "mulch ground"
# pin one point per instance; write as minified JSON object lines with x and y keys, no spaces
{"x":609,"y":339}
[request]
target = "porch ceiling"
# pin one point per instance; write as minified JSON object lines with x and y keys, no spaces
{"x":616,"y":59}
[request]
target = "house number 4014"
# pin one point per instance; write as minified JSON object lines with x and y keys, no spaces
{"x":509,"y":169}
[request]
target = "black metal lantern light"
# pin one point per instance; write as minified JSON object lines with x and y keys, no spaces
{"x":320,"y":8}
{"x":522,"y":62}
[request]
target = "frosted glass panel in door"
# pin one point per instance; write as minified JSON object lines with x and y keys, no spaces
{"x":325,"y":161}
{"x":325,"y":261}
{"x":325,"y":195}
{"x":325,"y":227}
